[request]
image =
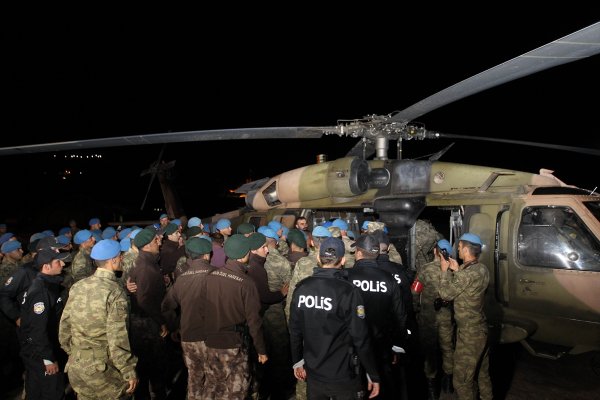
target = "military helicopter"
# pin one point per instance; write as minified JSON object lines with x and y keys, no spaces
{"x":544,"y":274}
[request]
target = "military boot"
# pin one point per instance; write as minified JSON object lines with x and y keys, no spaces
{"x":447,"y":386}
{"x":431,"y":392}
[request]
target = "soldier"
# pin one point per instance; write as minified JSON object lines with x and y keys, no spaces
{"x":372,"y":227}
{"x":328,"y":331}
{"x":13,"y":256}
{"x":297,"y":242}
{"x":343,"y":226}
{"x":188,"y":295}
{"x":129,"y":256}
{"x":93,"y":331}
{"x":466,"y":287}
{"x":436,"y":328}
{"x":82,"y":265}
{"x":233,"y":303}
{"x":41,"y":310}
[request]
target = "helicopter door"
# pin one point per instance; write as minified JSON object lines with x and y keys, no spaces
{"x":558,"y":266}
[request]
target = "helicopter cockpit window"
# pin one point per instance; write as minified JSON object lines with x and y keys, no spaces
{"x":555,"y":237}
{"x":270,"y":194}
{"x":594,"y":207}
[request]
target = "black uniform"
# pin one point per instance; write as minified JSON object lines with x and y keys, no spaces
{"x":40,"y":318}
{"x":386,"y":315}
{"x":328,"y":329}
{"x":11,"y":293}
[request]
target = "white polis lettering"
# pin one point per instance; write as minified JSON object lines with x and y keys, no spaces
{"x":371,"y":286}
{"x":318,"y":302}
{"x":398,"y":279}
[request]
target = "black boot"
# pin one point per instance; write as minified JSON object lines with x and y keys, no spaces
{"x":431,"y":392}
{"x":447,"y":386}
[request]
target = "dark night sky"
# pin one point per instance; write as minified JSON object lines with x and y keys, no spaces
{"x":82,"y":79}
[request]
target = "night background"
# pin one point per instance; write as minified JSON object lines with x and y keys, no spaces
{"x":81,"y":79}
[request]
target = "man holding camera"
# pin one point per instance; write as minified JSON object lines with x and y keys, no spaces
{"x":466,"y":287}
{"x":436,"y":328}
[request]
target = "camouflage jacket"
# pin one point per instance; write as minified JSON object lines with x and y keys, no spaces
{"x":128,"y":262}
{"x":7,"y":269}
{"x":95,"y":319}
{"x":429,"y":275}
{"x":279,"y":270}
{"x":349,"y":252}
{"x":82,"y":265}
{"x":466,"y":287}
{"x":304,"y":268}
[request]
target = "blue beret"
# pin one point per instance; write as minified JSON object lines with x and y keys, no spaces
{"x":350,"y":234}
{"x":365,"y":225}
{"x":327,"y":224}
{"x":275,"y":225}
{"x":106,"y":249}
{"x":445,"y":245}
{"x":471,"y":237}
{"x":270,"y":233}
{"x":176,"y":221}
{"x":125,"y":244}
{"x":9,"y":246}
{"x":4,"y":238}
{"x":340,"y":223}
{"x":81,"y":236}
{"x":134,"y":233}
{"x":123,"y":234}
{"x":332,"y":247}
{"x":222,"y":224}
{"x":94,"y":221}
{"x":63,"y":239}
{"x":163,"y":216}
{"x":194,"y":221}
{"x":48,"y":233}
{"x":64,"y":231}
{"x":285,"y":231}
{"x":109,"y":233}
{"x":206,"y":228}
{"x":321,"y":231}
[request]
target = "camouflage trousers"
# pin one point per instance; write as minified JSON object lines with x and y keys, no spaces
{"x":436,"y":334}
{"x":94,"y":378}
{"x":471,"y":361}
{"x":195,"y":363}
{"x":226,"y":373}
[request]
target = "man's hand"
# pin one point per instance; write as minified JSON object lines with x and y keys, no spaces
{"x":132,"y":385}
{"x":300,"y":373}
{"x":373,"y":387}
{"x":285,"y":288}
{"x":131,"y":286}
{"x":18,"y":322}
{"x":163,"y":331}
{"x":52,"y":369}
{"x":262,"y":358}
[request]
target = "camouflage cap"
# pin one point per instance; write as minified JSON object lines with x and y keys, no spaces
{"x":198,"y":245}
{"x":373,"y":226}
{"x":335,"y":231}
{"x":237,"y":246}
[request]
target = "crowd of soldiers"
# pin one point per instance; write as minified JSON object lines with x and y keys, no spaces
{"x":269,"y":312}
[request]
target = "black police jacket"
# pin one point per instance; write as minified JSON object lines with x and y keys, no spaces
{"x":11,"y":293}
{"x":327,"y":326}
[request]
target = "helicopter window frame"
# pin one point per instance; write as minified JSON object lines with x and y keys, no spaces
{"x":556,"y":238}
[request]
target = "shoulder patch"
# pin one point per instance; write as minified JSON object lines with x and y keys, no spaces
{"x":360,"y":312}
{"x":39,"y":308}
{"x":8,"y":281}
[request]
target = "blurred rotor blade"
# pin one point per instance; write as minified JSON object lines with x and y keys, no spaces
{"x":582,"y":150}
{"x":172,"y":137}
{"x":154,"y":170}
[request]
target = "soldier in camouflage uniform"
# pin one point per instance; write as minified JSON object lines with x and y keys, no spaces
{"x":13,"y":256}
{"x":82,"y":265}
{"x":436,"y":328}
{"x":279,"y":273}
{"x":393,"y":253}
{"x":466,"y":287}
{"x":304,"y":268}
{"x":93,"y":331}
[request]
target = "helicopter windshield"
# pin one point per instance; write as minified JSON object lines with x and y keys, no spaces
{"x":594,"y":207}
{"x":555,"y":237}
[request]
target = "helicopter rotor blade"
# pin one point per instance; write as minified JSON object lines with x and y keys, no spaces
{"x":154,"y":170}
{"x":171,"y":137}
{"x":575,"y":46}
{"x":582,"y":150}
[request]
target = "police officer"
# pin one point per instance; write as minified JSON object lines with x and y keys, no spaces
{"x":41,"y":311}
{"x":386,"y":314}
{"x":329,"y":333}
{"x":93,"y":331}
{"x":188,"y":296}
{"x":466,"y":286}
{"x":436,"y":328}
